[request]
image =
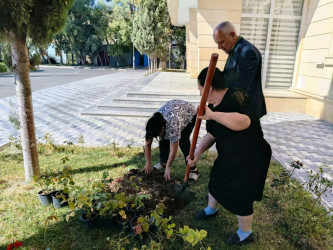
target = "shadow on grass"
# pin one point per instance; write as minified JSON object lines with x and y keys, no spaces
{"x":69,"y":235}
{"x":135,"y":160}
{"x":12,"y":157}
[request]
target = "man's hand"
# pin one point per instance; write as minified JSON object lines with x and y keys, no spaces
{"x":167,"y":173}
{"x":147,"y":169}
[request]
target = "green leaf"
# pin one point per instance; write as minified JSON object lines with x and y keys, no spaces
{"x":190,"y":238}
{"x":203,"y":233}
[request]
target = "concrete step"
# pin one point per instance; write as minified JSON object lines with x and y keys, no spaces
{"x":94,"y":111}
{"x":142,"y":101}
{"x":130,"y":107}
{"x":165,"y":95}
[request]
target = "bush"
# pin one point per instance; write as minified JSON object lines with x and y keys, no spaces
{"x":3,"y":67}
{"x":7,"y":56}
{"x":35,"y":60}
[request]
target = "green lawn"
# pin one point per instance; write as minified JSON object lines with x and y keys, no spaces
{"x":285,"y":219}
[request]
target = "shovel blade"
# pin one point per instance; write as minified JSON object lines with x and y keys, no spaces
{"x":181,"y":192}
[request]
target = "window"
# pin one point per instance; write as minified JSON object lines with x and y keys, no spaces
{"x":273,"y":27}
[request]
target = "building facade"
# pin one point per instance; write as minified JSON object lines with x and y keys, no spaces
{"x":295,"y":38}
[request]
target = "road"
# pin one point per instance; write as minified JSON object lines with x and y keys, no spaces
{"x":50,"y":76}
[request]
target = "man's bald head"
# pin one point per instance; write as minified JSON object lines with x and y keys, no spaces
{"x":225,"y":36}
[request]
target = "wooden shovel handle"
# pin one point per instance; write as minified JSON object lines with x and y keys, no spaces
{"x":202,"y":107}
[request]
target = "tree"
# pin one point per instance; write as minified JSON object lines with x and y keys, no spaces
{"x":120,"y":28}
{"x":151,"y":33}
{"x":84,"y":31}
{"x":38,"y":20}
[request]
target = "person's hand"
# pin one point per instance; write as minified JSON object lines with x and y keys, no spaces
{"x":207,"y":115}
{"x":167,"y":173}
{"x":147,"y":169}
{"x":193,"y":162}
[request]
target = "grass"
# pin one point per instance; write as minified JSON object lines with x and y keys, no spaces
{"x":283,"y":220}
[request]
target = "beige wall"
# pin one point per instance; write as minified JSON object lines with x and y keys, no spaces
{"x":193,"y":37}
{"x":202,"y":22}
{"x":211,"y":13}
{"x":315,"y":47}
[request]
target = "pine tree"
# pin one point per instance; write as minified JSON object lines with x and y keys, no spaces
{"x":38,"y":20}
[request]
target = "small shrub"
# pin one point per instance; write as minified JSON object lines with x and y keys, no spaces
{"x":3,"y":67}
{"x":13,"y":115}
{"x":35,"y":61}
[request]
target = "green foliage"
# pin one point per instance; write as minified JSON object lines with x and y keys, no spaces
{"x":16,"y":141}
{"x":84,"y":30}
{"x":35,"y":60}
{"x":119,"y":28}
{"x":3,"y":67}
{"x":318,"y":184}
{"x":13,"y":115}
{"x":46,"y":182}
{"x":301,"y":218}
{"x":137,"y":200}
{"x":38,"y":20}
{"x":6,"y":52}
{"x":192,"y":236}
{"x":151,"y":31}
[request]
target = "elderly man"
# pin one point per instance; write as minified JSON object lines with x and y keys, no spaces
{"x":244,"y":59}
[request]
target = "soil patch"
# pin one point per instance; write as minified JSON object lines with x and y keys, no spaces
{"x":155,"y":185}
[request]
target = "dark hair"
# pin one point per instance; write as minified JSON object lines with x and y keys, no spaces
{"x":154,"y":125}
{"x":220,"y":79}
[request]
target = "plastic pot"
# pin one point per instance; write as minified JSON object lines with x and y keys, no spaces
{"x":135,"y":211}
{"x":92,"y":222}
{"x":108,"y":222}
{"x":45,"y":198}
{"x":56,"y":200}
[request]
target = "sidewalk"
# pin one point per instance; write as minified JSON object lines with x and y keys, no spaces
{"x":57,"y":110}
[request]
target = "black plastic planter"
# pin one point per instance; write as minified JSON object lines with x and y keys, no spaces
{"x":135,"y":211}
{"x":56,"y":200}
{"x":123,"y":225}
{"x":92,"y":222}
{"x":45,"y":199}
{"x":108,"y":222}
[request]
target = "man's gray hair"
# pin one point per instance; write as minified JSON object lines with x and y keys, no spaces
{"x":225,"y":27}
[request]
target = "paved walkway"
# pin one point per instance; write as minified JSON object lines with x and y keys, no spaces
{"x":57,"y":112}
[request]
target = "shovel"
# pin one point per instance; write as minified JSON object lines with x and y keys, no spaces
{"x":180,"y":191}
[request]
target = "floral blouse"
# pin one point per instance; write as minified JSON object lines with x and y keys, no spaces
{"x":177,"y":114}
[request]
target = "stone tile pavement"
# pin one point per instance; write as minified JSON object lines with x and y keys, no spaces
{"x":57,"y":112}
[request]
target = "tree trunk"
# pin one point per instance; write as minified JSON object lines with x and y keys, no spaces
{"x":21,"y":66}
{"x":155,"y":64}
{"x":100,"y":59}
{"x":47,"y":55}
{"x":163,"y":64}
{"x":149,"y":65}
{"x":83,"y":60}
{"x":61,"y":59}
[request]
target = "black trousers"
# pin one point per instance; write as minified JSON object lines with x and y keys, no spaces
{"x":184,"y":143}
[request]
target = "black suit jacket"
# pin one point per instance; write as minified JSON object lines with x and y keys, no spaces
{"x":245,"y":59}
